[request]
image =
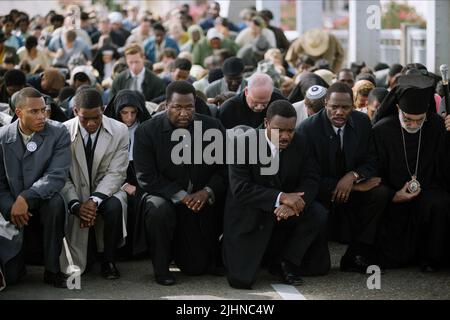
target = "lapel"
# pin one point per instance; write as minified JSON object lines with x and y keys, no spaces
{"x":104,"y":138}
{"x":12,"y":141}
{"x":276,"y":178}
{"x":38,"y":138}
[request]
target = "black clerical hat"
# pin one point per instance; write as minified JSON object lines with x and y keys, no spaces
{"x":414,"y":92}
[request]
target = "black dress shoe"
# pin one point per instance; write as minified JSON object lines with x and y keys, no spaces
{"x":58,"y":280}
{"x":167,"y":280}
{"x":428,"y":267}
{"x":289,"y":275}
{"x":109,"y":271}
{"x":354,"y":264}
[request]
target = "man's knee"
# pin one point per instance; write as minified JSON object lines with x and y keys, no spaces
{"x":54,"y":211}
{"x":318,"y":213}
{"x":158,"y":210}
{"x":111,"y":209}
{"x":379,"y":194}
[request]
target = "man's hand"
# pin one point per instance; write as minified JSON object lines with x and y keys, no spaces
{"x":19,"y":212}
{"x":404,"y":196}
{"x":284,"y":212}
{"x":293,"y":200}
{"x":367,"y":185}
{"x":343,"y":189}
{"x":447,"y":122}
{"x":88,"y":213}
{"x":129,"y":189}
{"x":196,"y":201}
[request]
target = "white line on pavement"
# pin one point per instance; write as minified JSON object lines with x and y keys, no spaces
{"x":288,"y":292}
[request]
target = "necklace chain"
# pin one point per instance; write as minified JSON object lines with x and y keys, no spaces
{"x":406,"y":156}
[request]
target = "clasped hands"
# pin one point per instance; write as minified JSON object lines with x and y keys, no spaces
{"x":87,"y":212}
{"x":291,"y":204}
{"x":196,"y":201}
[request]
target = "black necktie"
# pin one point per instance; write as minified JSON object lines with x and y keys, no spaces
{"x":340,"y":156}
{"x":89,"y":154}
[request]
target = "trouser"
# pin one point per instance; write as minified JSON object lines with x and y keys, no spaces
{"x":111,"y":212}
{"x":362,"y":213}
{"x":50,"y":214}
{"x":302,"y":241}
{"x":175,"y":232}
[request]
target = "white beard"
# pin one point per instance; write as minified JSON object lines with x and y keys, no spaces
{"x":409,"y":130}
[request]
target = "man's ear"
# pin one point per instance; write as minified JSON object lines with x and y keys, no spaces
{"x":18,"y":112}
{"x":266,"y":123}
{"x":75,"y":111}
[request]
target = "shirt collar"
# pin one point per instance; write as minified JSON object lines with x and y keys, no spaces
{"x":273,"y":148}
{"x":85,"y":134}
{"x":140,"y":75}
{"x":336,"y":129}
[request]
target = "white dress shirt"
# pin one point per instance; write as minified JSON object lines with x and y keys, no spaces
{"x":140,"y":79}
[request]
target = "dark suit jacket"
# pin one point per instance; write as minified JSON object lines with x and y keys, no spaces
{"x":158,"y":175}
{"x":152,"y":86}
{"x":33,"y":175}
{"x":235,"y":111}
{"x":249,"y":211}
{"x":359,"y":149}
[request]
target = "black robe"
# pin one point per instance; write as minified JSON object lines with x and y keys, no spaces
{"x":416,"y":230}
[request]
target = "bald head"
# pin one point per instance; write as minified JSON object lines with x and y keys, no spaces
{"x":259,"y":91}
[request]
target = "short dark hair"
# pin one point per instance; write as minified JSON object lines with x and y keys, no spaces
{"x":380,"y":66}
{"x":394,"y":69}
{"x":181,"y":87}
{"x":158,"y":26}
{"x":347,"y":70}
{"x":378,"y":94}
{"x":82,"y":77}
{"x":88,"y":98}
{"x":31,"y":42}
{"x":339,"y":87}
{"x":56,"y":18}
{"x":22,"y":95}
{"x":14,"y":77}
{"x":366,"y":76}
{"x":266,"y":14}
{"x":282,"y":108}
{"x":182,"y":64}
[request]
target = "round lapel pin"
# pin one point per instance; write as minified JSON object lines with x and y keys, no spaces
{"x":31,"y":146}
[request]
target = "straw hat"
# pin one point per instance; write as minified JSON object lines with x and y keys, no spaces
{"x":315,"y":42}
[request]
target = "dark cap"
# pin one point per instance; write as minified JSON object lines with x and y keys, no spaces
{"x":233,"y":66}
{"x":414,"y":93}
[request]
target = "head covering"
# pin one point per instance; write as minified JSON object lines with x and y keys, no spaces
{"x":115,"y":17}
{"x":326,"y":75}
{"x":127,"y":98}
{"x":88,"y":70}
{"x":233,"y":66}
{"x":413,"y":93}
{"x":214,"y":33}
{"x":315,"y":42}
{"x":306,"y":81}
{"x":194,"y":28}
{"x":260,"y":45}
{"x":316,"y":92}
